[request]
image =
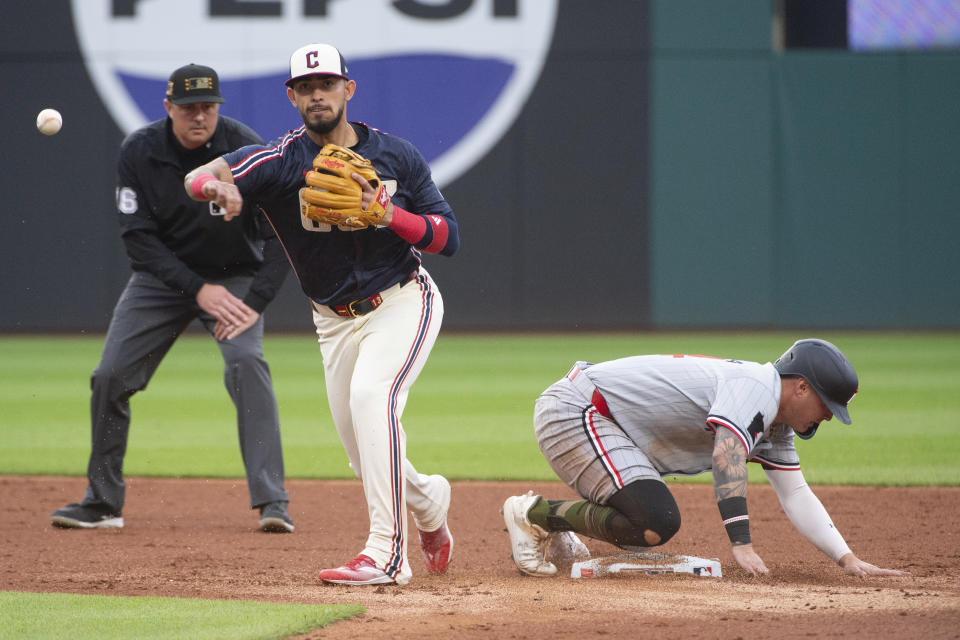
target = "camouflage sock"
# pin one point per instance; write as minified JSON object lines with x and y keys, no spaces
{"x":580,"y":516}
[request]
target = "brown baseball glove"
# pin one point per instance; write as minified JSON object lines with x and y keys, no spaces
{"x":334,"y":197}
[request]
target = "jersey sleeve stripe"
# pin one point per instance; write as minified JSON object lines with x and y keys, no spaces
{"x":766,"y":463}
{"x":729,"y":425}
{"x":247,"y":164}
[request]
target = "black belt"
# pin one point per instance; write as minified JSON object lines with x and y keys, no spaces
{"x":364,"y":306}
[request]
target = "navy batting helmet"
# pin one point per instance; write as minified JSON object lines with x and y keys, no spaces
{"x":826,"y":369}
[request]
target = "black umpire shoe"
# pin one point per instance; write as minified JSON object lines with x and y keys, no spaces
{"x":78,"y":516}
{"x":275,"y":519}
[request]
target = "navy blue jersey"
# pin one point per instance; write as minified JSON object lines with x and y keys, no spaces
{"x":338,"y":265}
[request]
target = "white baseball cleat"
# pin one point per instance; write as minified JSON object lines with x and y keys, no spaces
{"x":528,"y":540}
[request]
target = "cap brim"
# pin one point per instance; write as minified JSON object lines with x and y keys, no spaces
{"x":307,"y":75}
{"x":196,"y":99}
{"x":838,"y":410}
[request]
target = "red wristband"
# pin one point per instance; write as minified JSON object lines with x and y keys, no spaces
{"x":196,"y":186}
{"x":408,"y":226}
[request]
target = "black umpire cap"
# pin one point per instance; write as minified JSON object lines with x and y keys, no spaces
{"x":193,"y":83}
{"x":826,"y":369}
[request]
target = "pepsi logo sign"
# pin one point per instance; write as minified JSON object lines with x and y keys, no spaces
{"x":449,"y":75}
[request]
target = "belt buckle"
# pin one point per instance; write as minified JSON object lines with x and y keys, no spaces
{"x":374,"y":301}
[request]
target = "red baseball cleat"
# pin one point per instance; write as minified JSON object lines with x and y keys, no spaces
{"x":360,"y":570}
{"x":437,"y":548}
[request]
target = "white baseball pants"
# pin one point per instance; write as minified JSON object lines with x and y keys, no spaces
{"x":370,"y":363}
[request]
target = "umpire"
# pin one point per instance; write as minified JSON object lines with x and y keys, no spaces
{"x":187,"y":263}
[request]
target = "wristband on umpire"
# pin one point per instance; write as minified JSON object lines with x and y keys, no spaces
{"x":735,"y":519}
{"x":196,"y":185}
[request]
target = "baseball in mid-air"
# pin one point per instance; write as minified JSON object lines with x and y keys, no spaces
{"x":49,"y":122}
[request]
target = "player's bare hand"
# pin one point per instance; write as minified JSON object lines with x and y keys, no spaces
{"x":856,"y":567}
{"x":748,"y":559}
{"x":215,"y":183}
{"x":225,"y":307}
{"x":369,"y":193}
{"x":226,"y":196}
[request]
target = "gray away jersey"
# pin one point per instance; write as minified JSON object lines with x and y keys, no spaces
{"x":671,"y":405}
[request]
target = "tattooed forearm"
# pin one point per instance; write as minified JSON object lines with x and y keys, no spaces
{"x":729,"y":466}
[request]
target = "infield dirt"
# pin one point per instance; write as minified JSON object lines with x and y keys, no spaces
{"x":197,"y":538}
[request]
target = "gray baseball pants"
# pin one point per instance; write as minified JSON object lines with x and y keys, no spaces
{"x":148,"y":318}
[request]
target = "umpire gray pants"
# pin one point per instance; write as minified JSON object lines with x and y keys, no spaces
{"x":148,"y":318}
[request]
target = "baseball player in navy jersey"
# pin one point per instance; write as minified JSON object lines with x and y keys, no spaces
{"x":187,"y":263}
{"x":376,"y":310}
{"x":612,"y":430}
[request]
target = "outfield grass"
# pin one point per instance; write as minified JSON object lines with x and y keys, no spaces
{"x":469,"y":415}
{"x":68,"y":616}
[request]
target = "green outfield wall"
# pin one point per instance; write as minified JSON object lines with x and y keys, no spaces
{"x":798,"y":187}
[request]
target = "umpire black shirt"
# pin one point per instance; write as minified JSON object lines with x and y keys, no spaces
{"x":186,"y":243}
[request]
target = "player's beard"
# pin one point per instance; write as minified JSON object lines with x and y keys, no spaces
{"x":324,"y":127}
